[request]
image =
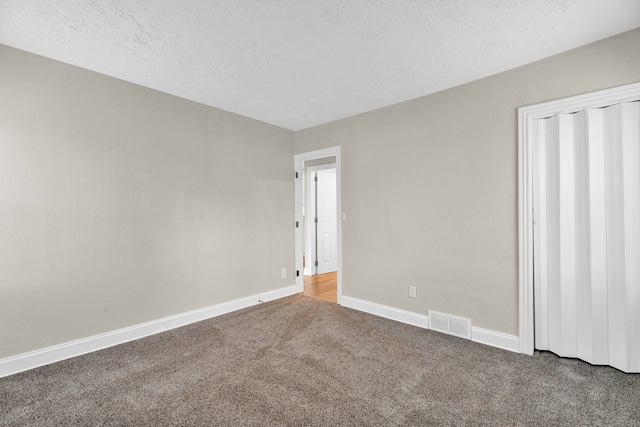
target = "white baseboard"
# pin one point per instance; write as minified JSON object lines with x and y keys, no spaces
{"x":22,"y":362}
{"x":495,"y":339}
{"x":387,"y":312}
{"x":479,"y":335}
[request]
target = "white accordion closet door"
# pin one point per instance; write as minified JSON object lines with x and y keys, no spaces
{"x":587,"y":235}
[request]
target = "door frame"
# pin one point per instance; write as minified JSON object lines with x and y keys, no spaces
{"x":311,"y":203}
{"x":298,"y":160}
{"x":526,"y":214}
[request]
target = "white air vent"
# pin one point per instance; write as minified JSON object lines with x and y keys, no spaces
{"x":448,"y":324}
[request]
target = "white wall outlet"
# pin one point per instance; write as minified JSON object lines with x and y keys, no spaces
{"x":412,"y":291}
{"x":283,"y":273}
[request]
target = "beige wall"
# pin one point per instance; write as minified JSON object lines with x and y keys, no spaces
{"x":430,"y":185}
{"x":120,"y":205}
{"x":320,"y":162}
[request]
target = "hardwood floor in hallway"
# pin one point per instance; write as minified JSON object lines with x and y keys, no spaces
{"x":322,"y":286}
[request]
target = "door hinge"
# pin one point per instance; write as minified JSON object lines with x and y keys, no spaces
{"x":296,"y":174}
{"x":316,"y":263}
{"x":316,"y":220}
{"x":297,"y":224}
{"x":315,"y":178}
{"x":297,"y":273}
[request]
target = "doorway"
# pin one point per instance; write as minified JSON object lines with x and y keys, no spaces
{"x":318,"y":217}
{"x":320,"y":233}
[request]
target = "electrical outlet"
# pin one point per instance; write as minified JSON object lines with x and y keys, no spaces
{"x":283,"y":273}
{"x":412,"y":291}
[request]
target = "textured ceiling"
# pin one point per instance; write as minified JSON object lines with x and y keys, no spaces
{"x":299,"y":63}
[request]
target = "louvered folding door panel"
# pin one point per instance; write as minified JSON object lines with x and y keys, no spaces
{"x":587,"y":235}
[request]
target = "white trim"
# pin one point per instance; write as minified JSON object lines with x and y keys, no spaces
{"x":299,"y":160}
{"x":495,"y":339}
{"x":22,"y":362}
{"x":526,"y":116}
{"x":387,"y":312}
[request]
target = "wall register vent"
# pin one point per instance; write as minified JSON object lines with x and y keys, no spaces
{"x":448,"y":324}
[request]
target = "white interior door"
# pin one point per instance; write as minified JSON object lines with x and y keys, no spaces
{"x":587,"y":235}
{"x":327,"y":221}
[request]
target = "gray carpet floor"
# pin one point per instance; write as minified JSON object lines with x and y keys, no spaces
{"x":300,"y":361}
